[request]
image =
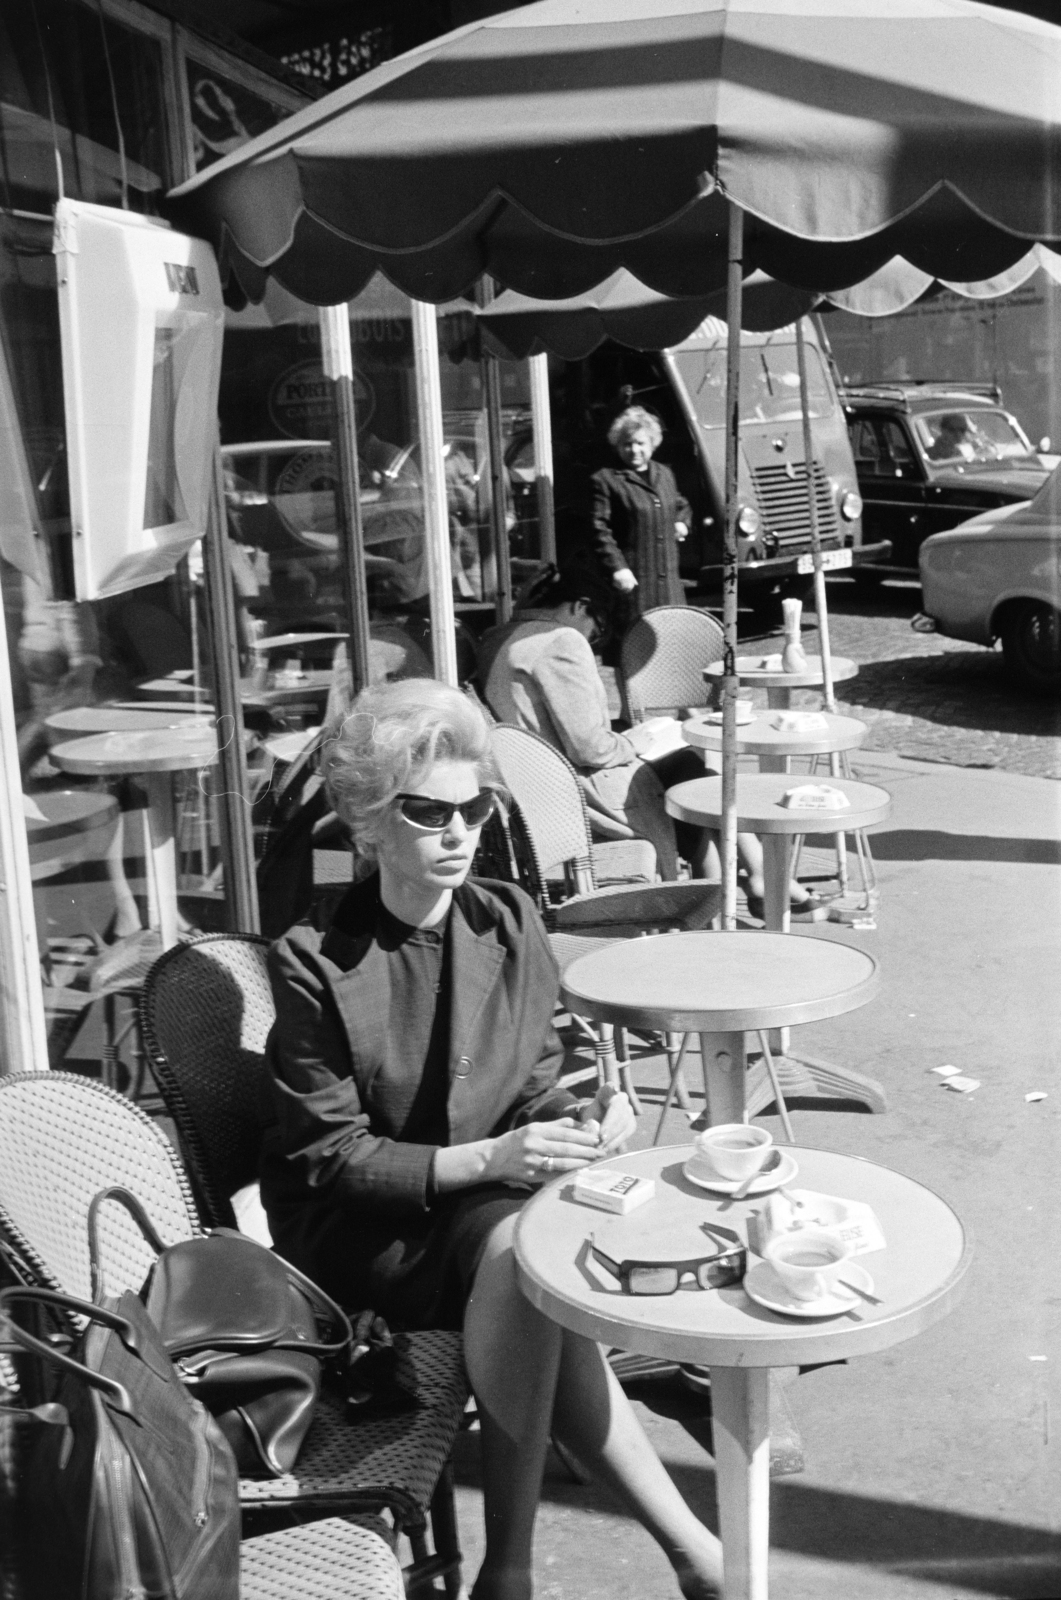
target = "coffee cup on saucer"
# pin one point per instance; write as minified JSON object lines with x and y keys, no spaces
{"x":733,"y":1150}
{"x":809,"y":1261}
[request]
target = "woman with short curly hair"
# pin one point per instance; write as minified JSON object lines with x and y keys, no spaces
{"x":639,"y":516}
{"x":413,"y":1078}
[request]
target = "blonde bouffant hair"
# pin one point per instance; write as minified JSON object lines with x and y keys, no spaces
{"x":392,"y":736}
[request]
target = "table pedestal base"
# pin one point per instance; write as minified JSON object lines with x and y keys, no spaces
{"x":740,"y":1422}
{"x":807,"y":1078}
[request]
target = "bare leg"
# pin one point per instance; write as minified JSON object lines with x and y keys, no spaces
{"x":595,"y":1420}
{"x":750,"y":850}
{"x":512,"y":1353}
{"x":126,"y":915}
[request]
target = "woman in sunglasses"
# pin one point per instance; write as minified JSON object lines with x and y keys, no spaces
{"x":413,"y":1079}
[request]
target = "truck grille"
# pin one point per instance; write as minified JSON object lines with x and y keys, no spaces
{"x":783,"y":503}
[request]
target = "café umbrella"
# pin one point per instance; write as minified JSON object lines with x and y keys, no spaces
{"x":689,"y":141}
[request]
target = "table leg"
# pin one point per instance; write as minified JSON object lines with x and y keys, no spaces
{"x":740,"y":1422}
{"x":777,"y":870}
{"x":159,"y":786}
{"x":778,"y":697}
{"x":775,"y":764}
{"x":725,"y":1066}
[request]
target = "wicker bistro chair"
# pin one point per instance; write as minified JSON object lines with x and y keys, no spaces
{"x":550,"y":832}
{"x":62,"y":1139}
{"x":662,"y":661}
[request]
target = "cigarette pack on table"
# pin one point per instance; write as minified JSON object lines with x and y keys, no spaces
{"x":612,"y":1191}
{"x":802,"y":1208}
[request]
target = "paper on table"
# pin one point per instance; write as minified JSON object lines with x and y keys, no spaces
{"x":656,"y":738}
{"x":788,"y":1211}
{"x":815,"y":797}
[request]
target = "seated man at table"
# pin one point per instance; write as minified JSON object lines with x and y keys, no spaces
{"x":539,"y":672}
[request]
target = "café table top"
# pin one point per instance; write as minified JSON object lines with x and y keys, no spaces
{"x":68,"y":811}
{"x":719,"y":982}
{"x":917,"y":1276}
{"x":285,"y":641}
{"x":162,"y":750}
{"x":761,"y":737}
{"x":123,"y":719}
{"x":179,"y":685}
{"x":759,"y":808}
{"x":313,"y":684}
{"x":174,"y":709}
{"x":750,"y":670}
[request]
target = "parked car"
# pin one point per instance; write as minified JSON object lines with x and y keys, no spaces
{"x":998,"y":576}
{"x":928,"y":456}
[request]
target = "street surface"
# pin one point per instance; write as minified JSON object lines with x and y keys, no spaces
{"x":931,"y":698}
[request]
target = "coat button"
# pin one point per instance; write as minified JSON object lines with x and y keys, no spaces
{"x":464,"y":1066}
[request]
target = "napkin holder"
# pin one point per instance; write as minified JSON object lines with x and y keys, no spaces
{"x":796,"y":1209}
{"x":815,"y":797}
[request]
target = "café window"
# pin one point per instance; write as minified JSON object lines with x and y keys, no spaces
{"x":54,"y":57}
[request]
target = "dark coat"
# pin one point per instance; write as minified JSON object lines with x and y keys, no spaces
{"x":633,"y":526}
{"x":348,"y":1201}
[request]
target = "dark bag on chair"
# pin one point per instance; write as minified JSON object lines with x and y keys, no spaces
{"x":123,"y":1484}
{"x":241,"y":1325}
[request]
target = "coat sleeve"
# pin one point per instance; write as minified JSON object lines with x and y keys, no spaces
{"x":605,"y":545}
{"x":322,"y":1142}
{"x":567,"y":677}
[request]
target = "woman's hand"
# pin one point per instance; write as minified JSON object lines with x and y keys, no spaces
{"x":539,"y":1151}
{"x":624,"y":580}
{"x":611,"y":1113}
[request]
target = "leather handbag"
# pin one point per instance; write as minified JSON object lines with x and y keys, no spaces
{"x":120,"y":1483}
{"x":241,"y":1326}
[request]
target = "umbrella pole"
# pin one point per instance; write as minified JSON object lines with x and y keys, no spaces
{"x":338,"y":362}
{"x":820,"y":605}
{"x":436,"y":508}
{"x":734,"y":283}
{"x":542,"y":424}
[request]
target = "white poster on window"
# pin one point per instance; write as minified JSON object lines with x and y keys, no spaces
{"x":142,"y":320}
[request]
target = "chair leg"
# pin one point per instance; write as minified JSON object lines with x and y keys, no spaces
{"x":775,"y":1084}
{"x":674,"y":1043}
{"x":621,"y":1056}
{"x":675,"y":1074}
{"x":447,"y":1538}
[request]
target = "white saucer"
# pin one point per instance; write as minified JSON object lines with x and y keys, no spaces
{"x":743,"y":716}
{"x":765,"y":1287}
{"x":784,"y":1172}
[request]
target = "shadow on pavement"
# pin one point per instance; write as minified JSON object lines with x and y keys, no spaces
{"x":957,"y":689}
{"x":927,"y":844}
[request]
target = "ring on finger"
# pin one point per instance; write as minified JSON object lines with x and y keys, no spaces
{"x":547,"y":1163}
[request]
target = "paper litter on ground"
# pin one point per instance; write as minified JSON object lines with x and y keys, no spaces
{"x":961,"y":1085}
{"x":944,"y":1072}
{"x":1036,"y":1094}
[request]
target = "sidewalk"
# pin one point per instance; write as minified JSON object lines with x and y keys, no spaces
{"x":933,"y":1468}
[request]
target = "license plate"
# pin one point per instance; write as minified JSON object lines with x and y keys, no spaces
{"x":831,"y":561}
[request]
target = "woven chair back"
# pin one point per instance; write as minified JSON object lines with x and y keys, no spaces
{"x":205,"y":1014}
{"x":62,"y":1140}
{"x":545,"y":786}
{"x":663,"y":657}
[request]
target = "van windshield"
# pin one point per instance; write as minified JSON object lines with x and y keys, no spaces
{"x":769,"y":383}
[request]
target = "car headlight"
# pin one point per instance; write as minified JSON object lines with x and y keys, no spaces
{"x":748,"y":521}
{"x":850,"y":505}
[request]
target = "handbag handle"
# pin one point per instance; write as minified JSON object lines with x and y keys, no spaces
{"x":117,"y":1392}
{"x":318,"y":1299}
{"x":125,"y":1197}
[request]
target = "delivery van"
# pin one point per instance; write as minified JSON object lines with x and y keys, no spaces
{"x":686,"y":388}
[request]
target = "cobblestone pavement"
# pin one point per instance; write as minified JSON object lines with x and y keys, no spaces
{"x":922,"y":695}
{"x":933,"y":698}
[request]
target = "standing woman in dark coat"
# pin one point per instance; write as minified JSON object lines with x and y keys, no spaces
{"x":639,"y":516}
{"x":412,"y":1072}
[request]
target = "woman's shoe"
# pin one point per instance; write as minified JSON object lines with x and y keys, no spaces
{"x":796,"y":908}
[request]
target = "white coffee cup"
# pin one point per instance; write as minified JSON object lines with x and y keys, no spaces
{"x":734,"y":1150}
{"x":809,"y":1261}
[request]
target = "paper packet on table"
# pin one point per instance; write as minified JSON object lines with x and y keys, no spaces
{"x":800,"y":722}
{"x":803,"y":1208}
{"x":815,"y":797}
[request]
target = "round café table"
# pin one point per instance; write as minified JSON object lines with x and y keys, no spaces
{"x":776,"y":746}
{"x":759,"y":810}
{"x":78,"y":720}
{"x":70,"y":826}
{"x":917,"y":1279}
{"x":151,"y":756}
{"x":720,"y":985}
{"x":779,"y":685}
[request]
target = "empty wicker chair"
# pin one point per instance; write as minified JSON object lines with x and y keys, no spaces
{"x":62,"y":1139}
{"x":662,"y":661}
